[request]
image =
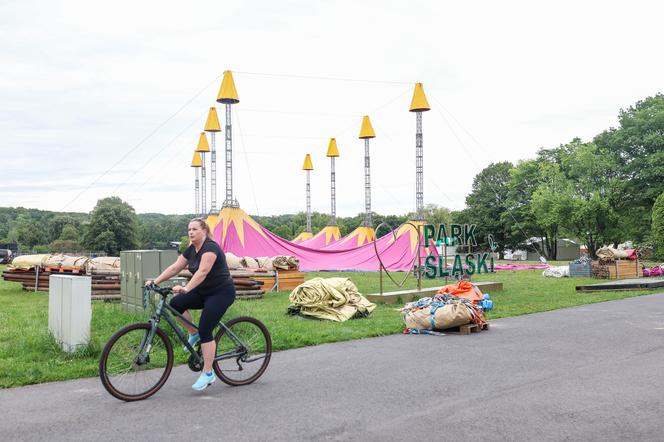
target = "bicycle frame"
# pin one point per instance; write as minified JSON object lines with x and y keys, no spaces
{"x":165,"y":311}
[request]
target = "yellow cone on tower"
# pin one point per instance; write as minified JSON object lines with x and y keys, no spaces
{"x":332,"y":150}
{"x":367,"y":130}
{"x":196,"y":161}
{"x":203,"y":145}
{"x":227,"y":92}
{"x":307,"y":163}
{"x":212,"y":123}
{"x":419,"y":102}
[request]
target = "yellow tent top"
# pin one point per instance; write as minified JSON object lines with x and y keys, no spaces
{"x":307,"y":163}
{"x":419,"y":102}
{"x":227,"y":91}
{"x":196,"y":161}
{"x":367,"y":131}
{"x":212,"y":123}
{"x":203,"y":145}
{"x":332,"y":150}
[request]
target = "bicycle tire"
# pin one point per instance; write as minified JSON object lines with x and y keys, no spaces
{"x":254,"y":335}
{"x":121,"y":353}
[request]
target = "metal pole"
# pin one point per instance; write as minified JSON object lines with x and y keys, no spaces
{"x":229,"y":201}
{"x":419,"y":170}
{"x":367,"y":185}
{"x":333,"y":187}
{"x":419,"y":260}
{"x":203,"y":186}
{"x":213,"y":176}
{"x":196,"y":192}
{"x":308,"y":203}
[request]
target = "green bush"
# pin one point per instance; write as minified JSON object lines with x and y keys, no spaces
{"x":41,"y":249}
{"x":657,"y":230}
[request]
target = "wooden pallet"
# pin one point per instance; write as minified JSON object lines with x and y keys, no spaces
{"x":74,"y":270}
{"x":468,"y":329}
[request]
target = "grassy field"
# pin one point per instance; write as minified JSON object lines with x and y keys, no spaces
{"x":28,"y":355}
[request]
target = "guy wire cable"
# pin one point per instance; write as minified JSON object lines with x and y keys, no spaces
{"x":166,"y":146}
{"x":526,"y":237}
{"x":246,"y":162}
{"x":319,"y":77}
{"x":96,"y":180}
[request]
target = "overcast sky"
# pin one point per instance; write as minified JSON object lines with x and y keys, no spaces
{"x":109,"y":98}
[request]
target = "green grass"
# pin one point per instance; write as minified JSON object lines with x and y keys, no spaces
{"x":28,"y":355}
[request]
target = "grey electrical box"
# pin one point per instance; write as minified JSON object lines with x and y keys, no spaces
{"x":138,"y":266}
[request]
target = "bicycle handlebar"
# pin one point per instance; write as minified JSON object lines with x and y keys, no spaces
{"x":161,"y":290}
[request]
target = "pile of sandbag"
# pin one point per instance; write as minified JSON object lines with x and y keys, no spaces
{"x":334,"y":299}
{"x":440,"y":312}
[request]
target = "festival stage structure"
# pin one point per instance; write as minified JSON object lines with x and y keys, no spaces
{"x":238,"y":233}
{"x":307,"y":234}
{"x":330,"y":233}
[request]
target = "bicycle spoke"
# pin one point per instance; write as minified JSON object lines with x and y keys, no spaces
{"x":243,"y":351}
{"x":128,"y":371}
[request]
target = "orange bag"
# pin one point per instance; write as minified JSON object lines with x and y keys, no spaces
{"x":464,"y":289}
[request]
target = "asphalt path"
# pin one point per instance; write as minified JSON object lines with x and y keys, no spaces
{"x":586,"y":373}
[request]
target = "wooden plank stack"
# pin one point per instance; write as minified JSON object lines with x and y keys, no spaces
{"x":281,"y":280}
{"x":105,"y":283}
{"x":621,"y":268}
{"x":247,"y":286}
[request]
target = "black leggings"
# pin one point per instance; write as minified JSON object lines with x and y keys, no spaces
{"x":214,"y":306}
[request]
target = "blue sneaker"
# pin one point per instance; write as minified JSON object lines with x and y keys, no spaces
{"x":193,"y":340}
{"x":203,"y":381}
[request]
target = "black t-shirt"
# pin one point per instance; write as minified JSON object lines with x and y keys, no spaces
{"x":219,"y":273}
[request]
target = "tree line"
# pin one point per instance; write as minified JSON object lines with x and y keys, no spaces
{"x":605,"y":191}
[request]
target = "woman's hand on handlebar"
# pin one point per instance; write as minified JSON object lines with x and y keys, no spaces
{"x":178,"y":289}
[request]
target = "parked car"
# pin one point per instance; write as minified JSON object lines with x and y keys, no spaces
{"x":5,"y":256}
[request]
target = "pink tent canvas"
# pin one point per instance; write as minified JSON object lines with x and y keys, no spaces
{"x":239,"y":234}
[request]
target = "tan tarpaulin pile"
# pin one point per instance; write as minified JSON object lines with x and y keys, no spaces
{"x":103,"y":263}
{"x":285,"y":263}
{"x":334,"y":299}
{"x":65,"y":261}
{"x":609,"y":253}
{"x":264,"y":262}
{"x":27,"y":262}
{"x":232,"y":261}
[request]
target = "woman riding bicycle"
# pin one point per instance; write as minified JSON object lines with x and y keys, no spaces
{"x":210,"y":288}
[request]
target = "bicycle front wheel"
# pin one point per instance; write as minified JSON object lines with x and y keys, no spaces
{"x":130,"y":367}
{"x":243,"y":353}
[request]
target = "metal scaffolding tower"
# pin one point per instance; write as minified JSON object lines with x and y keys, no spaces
{"x":366,"y":133}
{"x":228,"y":96}
{"x":333,"y":152}
{"x":212,"y":126}
{"x":418,"y":105}
{"x":308,"y":167}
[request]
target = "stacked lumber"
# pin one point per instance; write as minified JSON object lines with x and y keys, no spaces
{"x":105,"y":283}
{"x":281,"y":280}
{"x":247,"y":286}
{"x":618,"y":269}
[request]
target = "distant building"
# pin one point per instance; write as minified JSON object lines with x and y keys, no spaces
{"x":567,"y":250}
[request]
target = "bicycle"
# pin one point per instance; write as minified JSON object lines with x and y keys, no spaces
{"x":138,"y":358}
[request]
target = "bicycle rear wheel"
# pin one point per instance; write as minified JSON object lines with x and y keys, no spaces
{"x":253,"y":351}
{"x":132,"y":370}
